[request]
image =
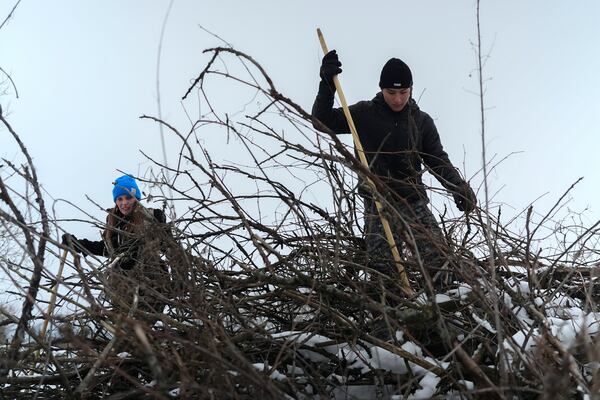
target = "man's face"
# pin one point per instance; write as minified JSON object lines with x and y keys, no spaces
{"x":125,"y":204}
{"x":396,"y":99}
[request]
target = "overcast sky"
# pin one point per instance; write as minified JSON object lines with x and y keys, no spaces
{"x":86,"y":70}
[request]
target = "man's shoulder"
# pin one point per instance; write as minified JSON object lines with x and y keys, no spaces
{"x":363,"y":104}
{"x":419,"y":115}
{"x":365,"y":108}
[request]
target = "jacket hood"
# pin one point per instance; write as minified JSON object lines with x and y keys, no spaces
{"x":378,"y":99}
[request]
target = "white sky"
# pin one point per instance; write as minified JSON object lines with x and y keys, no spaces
{"x":85,"y":71}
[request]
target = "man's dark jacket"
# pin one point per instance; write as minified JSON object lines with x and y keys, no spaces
{"x":394,"y":142}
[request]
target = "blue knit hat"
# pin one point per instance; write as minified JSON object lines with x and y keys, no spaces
{"x":126,"y":185}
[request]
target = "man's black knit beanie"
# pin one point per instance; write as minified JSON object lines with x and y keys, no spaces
{"x":395,"y":75}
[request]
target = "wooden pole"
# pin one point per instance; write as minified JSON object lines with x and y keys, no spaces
{"x":363,"y":159}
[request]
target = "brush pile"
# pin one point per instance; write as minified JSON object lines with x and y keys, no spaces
{"x":270,"y":293}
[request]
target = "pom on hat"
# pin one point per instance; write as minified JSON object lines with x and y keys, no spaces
{"x":126,"y":185}
{"x":395,"y":75}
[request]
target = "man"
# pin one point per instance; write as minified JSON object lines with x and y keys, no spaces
{"x":396,"y":137}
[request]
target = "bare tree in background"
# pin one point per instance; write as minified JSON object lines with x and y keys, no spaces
{"x":2,"y":72}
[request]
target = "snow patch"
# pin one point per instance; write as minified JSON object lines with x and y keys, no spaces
{"x":428,"y":387}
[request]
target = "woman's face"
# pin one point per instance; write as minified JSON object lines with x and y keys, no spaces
{"x":125,"y":204}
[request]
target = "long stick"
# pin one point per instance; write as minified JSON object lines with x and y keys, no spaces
{"x":63,"y":259}
{"x":363,"y":159}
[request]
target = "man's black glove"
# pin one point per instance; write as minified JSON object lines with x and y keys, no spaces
{"x":465,"y":198}
{"x":330,"y":67}
{"x":69,"y":241}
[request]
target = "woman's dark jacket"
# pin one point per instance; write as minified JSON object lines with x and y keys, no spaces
{"x":124,"y":244}
{"x":394,"y":142}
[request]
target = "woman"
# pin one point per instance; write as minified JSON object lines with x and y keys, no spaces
{"x":132,"y":240}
